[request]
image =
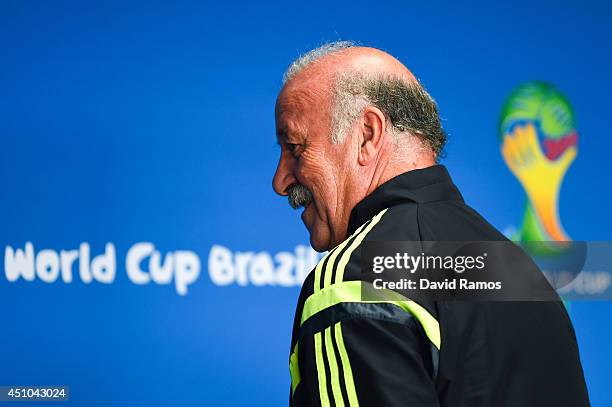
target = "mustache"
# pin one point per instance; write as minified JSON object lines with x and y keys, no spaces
{"x":299,"y":195}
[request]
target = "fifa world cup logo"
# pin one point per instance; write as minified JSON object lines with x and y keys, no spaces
{"x":538,"y":144}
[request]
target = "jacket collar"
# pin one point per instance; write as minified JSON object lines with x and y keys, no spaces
{"x":424,"y":185}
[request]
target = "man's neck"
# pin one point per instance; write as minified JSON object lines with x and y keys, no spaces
{"x":398,"y":161}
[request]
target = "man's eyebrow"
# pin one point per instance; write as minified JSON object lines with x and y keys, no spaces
{"x":283,"y":135}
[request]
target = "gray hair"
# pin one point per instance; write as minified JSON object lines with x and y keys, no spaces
{"x":313,"y":55}
{"x":406,"y":105}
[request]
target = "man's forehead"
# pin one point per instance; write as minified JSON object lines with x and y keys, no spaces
{"x":302,"y":103}
{"x":288,"y":110}
{"x":292,"y":105}
{"x":294,"y":100}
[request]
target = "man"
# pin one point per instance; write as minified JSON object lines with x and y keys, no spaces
{"x":360,"y":139}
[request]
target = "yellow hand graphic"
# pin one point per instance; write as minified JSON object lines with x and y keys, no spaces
{"x":541,"y":178}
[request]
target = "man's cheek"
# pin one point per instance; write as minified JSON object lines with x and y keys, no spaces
{"x":318,"y":206}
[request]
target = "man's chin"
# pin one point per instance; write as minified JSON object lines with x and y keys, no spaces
{"x":321,"y":242}
{"x":320,"y":237}
{"x":319,"y":246}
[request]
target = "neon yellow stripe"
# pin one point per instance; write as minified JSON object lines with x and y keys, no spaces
{"x":351,"y":291}
{"x":346,"y":367}
{"x":321,"y":370}
{"x":294,"y":369}
{"x":333,"y":253}
{"x":347,"y":254}
{"x":333,"y":369}
{"x":332,"y":259}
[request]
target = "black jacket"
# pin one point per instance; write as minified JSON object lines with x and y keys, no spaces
{"x":345,"y":351}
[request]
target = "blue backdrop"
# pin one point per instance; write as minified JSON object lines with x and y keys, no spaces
{"x":131,"y":122}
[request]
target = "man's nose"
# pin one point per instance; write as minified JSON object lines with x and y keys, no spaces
{"x":284,"y":175}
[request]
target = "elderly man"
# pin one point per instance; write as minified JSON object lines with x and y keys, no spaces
{"x":360,"y":139}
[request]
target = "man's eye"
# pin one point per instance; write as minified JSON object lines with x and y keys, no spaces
{"x":293,"y":148}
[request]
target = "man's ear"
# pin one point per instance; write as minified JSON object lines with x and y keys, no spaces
{"x":371,"y":134}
